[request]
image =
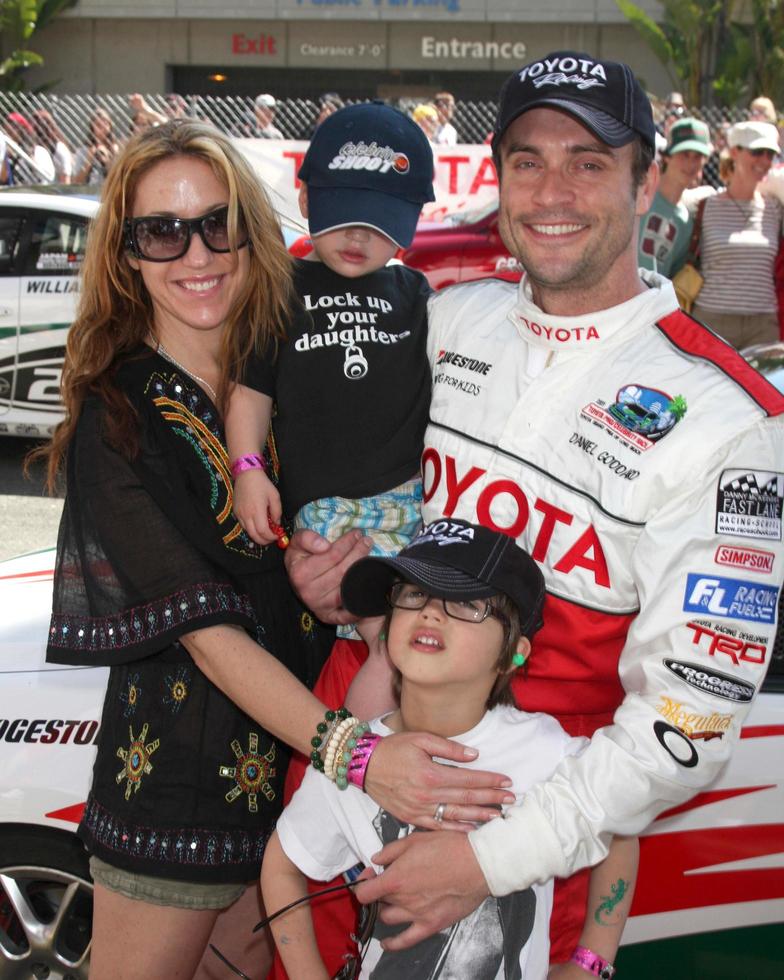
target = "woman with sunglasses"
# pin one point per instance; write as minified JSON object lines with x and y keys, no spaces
{"x":739,"y":240}
{"x":185,"y":273}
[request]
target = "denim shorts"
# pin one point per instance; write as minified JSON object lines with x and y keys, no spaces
{"x":164,"y":891}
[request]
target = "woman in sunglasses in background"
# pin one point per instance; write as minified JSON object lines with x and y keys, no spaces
{"x":185,"y":273}
{"x":739,"y":240}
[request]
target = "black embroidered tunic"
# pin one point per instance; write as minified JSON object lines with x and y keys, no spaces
{"x":185,"y":785}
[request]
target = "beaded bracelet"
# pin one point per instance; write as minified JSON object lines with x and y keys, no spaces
{"x":251,"y":461}
{"x":360,"y":757}
{"x":324,"y":730}
{"x":335,"y":745}
{"x":345,"y":753}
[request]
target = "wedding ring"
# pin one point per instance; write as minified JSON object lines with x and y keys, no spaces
{"x":438,"y":816}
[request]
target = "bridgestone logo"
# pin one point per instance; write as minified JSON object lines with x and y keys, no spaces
{"x":711,"y":682}
{"x":462,"y":361}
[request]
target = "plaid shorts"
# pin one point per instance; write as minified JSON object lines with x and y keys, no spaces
{"x":389,"y":519}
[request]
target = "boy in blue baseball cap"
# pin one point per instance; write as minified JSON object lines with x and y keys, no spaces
{"x":351,"y":383}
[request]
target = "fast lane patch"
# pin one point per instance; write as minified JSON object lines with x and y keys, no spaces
{"x":749,"y":504}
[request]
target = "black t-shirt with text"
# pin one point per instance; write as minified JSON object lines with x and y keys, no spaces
{"x":352,"y":384}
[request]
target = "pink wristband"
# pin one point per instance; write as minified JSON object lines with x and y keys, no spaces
{"x":250,"y":462}
{"x":592,"y":963}
{"x":360,"y":757}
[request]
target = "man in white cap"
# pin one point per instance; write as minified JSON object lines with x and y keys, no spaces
{"x":264,"y":107}
{"x":622,"y":444}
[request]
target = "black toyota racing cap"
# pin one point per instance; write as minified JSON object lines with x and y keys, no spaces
{"x":451,"y":559}
{"x":603,"y":95}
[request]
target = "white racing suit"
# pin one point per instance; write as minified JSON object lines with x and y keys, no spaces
{"x":639,"y":459}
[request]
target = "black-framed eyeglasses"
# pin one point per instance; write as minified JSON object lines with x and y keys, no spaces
{"x":404,"y":595}
{"x":158,"y":238}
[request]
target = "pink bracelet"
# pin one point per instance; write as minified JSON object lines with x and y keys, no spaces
{"x":592,"y":963}
{"x":250,"y":462}
{"x":360,"y":757}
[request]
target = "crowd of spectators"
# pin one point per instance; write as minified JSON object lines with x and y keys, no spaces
{"x":719,"y":204}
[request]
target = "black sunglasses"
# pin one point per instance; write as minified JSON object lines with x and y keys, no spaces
{"x":763,"y":152}
{"x":157,"y":238}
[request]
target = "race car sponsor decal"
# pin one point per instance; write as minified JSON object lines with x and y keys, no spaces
{"x":563,"y":335}
{"x":676,"y":744}
{"x":46,"y":731}
{"x":53,"y":286}
{"x":463,"y":361}
{"x":613,"y":464}
{"x":738,"y":646}
{"x":730,"y":598}
{"x":570,"y":70}
{"x":749,"y":504}
{"x":711,"y":681}
{"x":584,"y":552}
{"x":38,"y":374}
{"x":638,"y":417}
{"x":749,"y":559}
{"x":694,"y":725}
{"x":58,"y":260}
{"x":505,"y":263}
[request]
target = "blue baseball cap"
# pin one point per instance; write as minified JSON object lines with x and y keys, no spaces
{"x":368,"y":165}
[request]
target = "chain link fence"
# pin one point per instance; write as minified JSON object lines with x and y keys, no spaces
{"x":295,"y":118}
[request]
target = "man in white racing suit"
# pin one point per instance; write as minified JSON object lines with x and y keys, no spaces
{"x":636,"y":456}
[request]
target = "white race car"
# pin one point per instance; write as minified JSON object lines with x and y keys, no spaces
{"x":711,"y":885}
{"x":42,"y":239}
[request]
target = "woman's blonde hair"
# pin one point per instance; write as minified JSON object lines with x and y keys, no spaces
{"x":115,"y":314}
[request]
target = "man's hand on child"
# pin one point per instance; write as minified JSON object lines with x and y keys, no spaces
{"x":403,"y":778}
{"x":429,"y":880}
{"x":316,"y":568}
{"x":256,"y":501}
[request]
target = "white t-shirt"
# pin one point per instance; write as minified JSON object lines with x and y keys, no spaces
{"x":325,"y":832}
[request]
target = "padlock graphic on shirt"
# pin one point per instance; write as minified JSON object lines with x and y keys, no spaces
{"x":355,"y":365}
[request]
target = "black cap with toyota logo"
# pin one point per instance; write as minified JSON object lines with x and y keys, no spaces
{"x":451,"y":559}
{"x":603,"y":95}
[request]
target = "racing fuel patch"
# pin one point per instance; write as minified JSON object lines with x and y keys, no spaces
{"x":730,"y":598}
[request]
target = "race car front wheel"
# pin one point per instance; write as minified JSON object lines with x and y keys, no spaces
{"x":46,"y":905}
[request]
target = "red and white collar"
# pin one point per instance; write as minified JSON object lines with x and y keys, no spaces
{"x":587,"y":331}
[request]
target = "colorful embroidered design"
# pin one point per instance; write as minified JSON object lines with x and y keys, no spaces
{"x":177,"y":689}
{"x":252,"y":772}
{"x":146,"y":622}
{"x":191,"y":417}
{"x":174,"y":846}
{"x":130,"y":697}
{"x":136,"y":759}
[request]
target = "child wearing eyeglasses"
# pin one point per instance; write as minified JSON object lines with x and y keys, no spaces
{"x":351,"y":384}
{"x":462,"y":603}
